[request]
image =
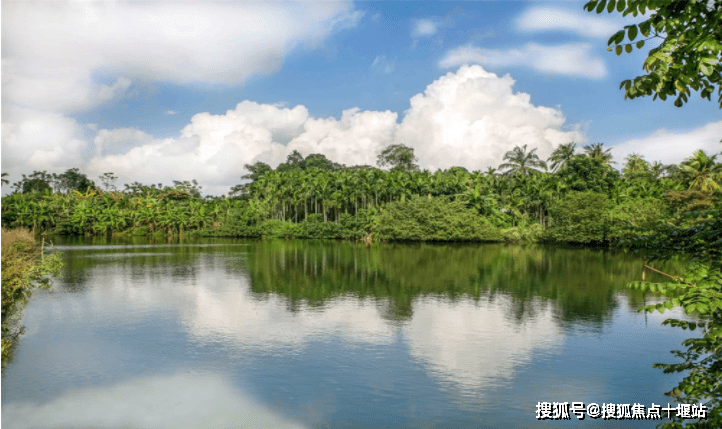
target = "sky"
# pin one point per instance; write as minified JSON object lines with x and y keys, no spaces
{"x":163,"y":91}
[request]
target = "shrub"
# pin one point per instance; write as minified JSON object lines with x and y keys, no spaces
{"x":433,"y":219}
{"x":580,"y":217}
{"x":23,"y":266}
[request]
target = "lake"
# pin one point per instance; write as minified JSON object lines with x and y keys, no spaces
{"x":320,"y":334}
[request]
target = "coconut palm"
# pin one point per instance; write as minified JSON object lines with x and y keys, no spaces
{"x":635,"y":165}
{"x":522,"y":161}
{"x":596,"y":150}
{"x":561,"y":155}
{"x":658,"y":169}
{"x":702,"y":172}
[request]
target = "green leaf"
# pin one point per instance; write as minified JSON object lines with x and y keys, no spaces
{"x":628,"y":48}
{"x":621,"y":5}
{"x":640,"y":44}
{"x":706,"y":70}
{"x":618,"y":49}
{"x":590,"y":5}
{"x":644,"y":28}
{"x":632,"y":32}
{"x":669,"y":305}
{"x":610,"y":6}
{"x":619,"y":37}
{"x":600,"y":6}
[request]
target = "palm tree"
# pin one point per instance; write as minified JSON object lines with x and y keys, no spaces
{"x":522,"y":161}
{"x":635,"y":164}
{"x":561,"y":155}
{"x":4,"y":180}
{"x":657,"y":169}
{"x":702,"y":172}
{"x":596,"y":150}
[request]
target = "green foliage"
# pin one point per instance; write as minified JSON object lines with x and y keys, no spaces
{"x":531,"y":233}
{"x":399,"y":157}
{"x":561,"y":155}
{"x":597,"y":151}
{"x":688,"y":57}
{"x":699,"y":293}
{"x":23,"y":267}
{"x":330,"y":202}
{"x":582,"y":173}
{"x":702,"y":172}
{"x":432,"y":219}
{"x":74,"y":180}
{"x":39,"y":181}
{"x":636,"y":218}
{"x":580,"y":217}
{"x":108,"y":180}
{"x":523,"y":162}
{"x":636,"y":167}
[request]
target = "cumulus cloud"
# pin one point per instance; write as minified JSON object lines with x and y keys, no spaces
{"x":424,"y":28}
{"x":571,"y":59}
{"x":469,"y":118}
{"x":39,"y":140}
{"x":536,"y":19}
{"x":672,"y":146}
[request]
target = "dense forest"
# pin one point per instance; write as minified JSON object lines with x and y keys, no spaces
{"x":578,"y":195}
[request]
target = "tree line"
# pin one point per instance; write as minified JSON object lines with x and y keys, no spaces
{"x":576,"y":195}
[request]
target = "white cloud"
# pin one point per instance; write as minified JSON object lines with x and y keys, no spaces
{"x":572,"y":59}
{"x":40,"y":140}
{"x":356,"y":139}
{"x":59,"y":59}
{"x":584,"y":24}
{"x":470,"y":118}
{"x":54,"y":65}
{"x":382,"y":64}
{"x":119,"y":140}
{"x":171,"y":112}
{"x":176,"y":401}
{"x":672,"y":146}
{"x":424,"y":28}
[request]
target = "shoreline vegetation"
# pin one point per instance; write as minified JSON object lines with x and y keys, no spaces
{"x":574,"y":199}
{"x":24,"y":267}
{"x":660,"y":211}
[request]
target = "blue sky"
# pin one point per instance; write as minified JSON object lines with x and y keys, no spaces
{"x":194,"y":90}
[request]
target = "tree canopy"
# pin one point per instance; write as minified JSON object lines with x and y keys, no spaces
{"x":399,"y":157}
{"x":521,"y":161}
{"x":688,"y":56}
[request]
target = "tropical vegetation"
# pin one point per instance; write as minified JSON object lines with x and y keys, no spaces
{"x":585,"y":200}
{"x":24,"y":266}
{"x":688,"y":58}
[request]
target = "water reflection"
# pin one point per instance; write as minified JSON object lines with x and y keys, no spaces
{"x":475,"y":345}
{"x":396,"y":331}
{"x":177,"y":401}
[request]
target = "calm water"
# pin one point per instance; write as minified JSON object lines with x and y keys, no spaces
{"x":309,"y":334}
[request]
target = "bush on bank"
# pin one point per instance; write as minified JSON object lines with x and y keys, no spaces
{"x":433,"y":219}
{"x":23,"y":267}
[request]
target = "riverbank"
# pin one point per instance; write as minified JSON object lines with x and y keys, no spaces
{"x":24,"y":267}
